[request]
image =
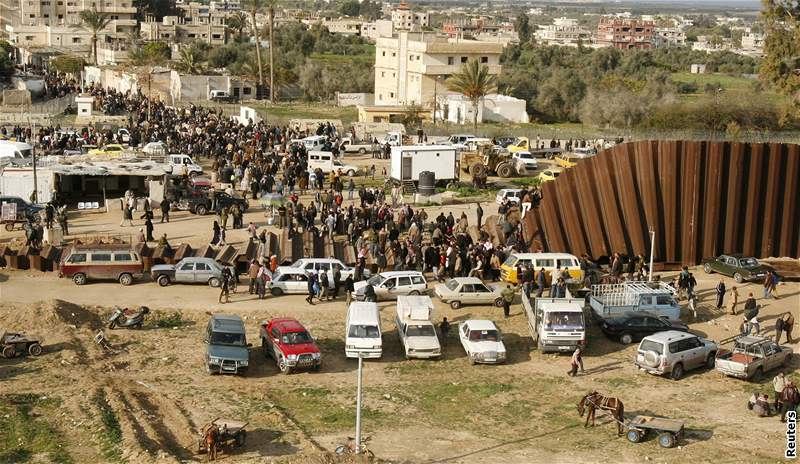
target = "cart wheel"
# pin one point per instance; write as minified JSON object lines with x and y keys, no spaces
{"x":634,"y":436}
{"x":9,"y":226}
{"x":241,"y":438}
{"x":35,"y":349}
{"x":9,"y":352}
{"x":666,"y":440}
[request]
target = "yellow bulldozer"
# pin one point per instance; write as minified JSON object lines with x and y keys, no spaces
{"x":486,"y":160}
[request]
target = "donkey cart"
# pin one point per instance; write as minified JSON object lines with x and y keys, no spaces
{"x":669,"y":430}
{"x":222,"y":433}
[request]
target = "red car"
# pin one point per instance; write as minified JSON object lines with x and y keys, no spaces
{"x":290,"y":345}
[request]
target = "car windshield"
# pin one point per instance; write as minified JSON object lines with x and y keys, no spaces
{"x":484,"y":336}
{"x":227,"y":338}
{"x":297,"y":264}
{"x":564,"y":321}
{"x":296,"y":338}
{"x":510,"y":261}
{"x":375,"y":280}
{"x":420,"y":331}
{"x":452,"y":285}
{"x":364,"y":331}
{"x":748,"y":262}
{"x":649,"y":345}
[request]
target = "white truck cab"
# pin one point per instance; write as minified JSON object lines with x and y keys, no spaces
{"x":325,"y":161}
{"x":363,"y":337}
{"x":417,"y":332}
{"x":556,"y":324}
{"x":394,"y":139}
{"x":184,"y":165}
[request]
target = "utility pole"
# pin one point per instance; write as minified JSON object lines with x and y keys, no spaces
{"x":652,"y":252}
{"x":358,"y":406}
{"x":32,"y":125}
{"x":435,"y":84}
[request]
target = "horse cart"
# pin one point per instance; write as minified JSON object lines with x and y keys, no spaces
{"x":15,"y":344}
{"x":221,"y":433}
{"x":669,"y":430}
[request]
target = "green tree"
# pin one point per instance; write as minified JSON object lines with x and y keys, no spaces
{"x":156,"y":8}
{"x":95,"y":22}
{"x":523,"y":26}
{"x":350,"y":8}
{"x":271,"y":5}
{"x":190,"y":61}
{"x":474,"y":82}
{"x":237,"y":22}
{"x":560,"y":95}
{"x":6,"y":62}
{"x":254,"y":7}
{"x":781,"y":63}
{"x":67,"y":64}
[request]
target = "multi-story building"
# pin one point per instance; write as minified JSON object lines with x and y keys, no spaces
{"x":669,"y":37}
{"x":624,"y":34}
{"x":375,"y":29}
{"x":752,"y":42}
{"x":343,"y":26}
{"x":411,"y":67}
{"x":563,"y":31}
{"x":476,"y":26}
{"x":198,"y":22}
{"x":403,"y":18}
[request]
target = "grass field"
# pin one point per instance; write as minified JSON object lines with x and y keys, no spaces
{"x":25,"y":434}
{"x":283,"y":112}
{"x":727,"y":82}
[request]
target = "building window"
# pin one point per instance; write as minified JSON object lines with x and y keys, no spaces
{"x":246,"y":90}
{"x":484,"y":59}
{"x":383,"y":53}
{"x":451,"y":60}
{"x":391,"y":94}
{"x":394,"y":75}
{"x":463,"y":59}
{"x":394,"y":54}
{"x":28,"y":38}
{"x":383,"y":74}
{"x":76,"y":40}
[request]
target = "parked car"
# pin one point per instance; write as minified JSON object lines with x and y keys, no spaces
{"x":566,"y":160}
{"x":512,"y":195}
{"x":290,"y":281}
{"x":112,"y":149}
{"x":388,"y":285}
{"x":584,"y":152}
{"x":82,"y":263}
{"x":633,"y":326}
{"x":414,"y":327}
{"x":751,"y":357}
{"x":741,"y":268}
{"x":317,"y":265}
{"x":527,"y":159}
{"x":291,"y":346}
{"x":155,"y":148}
{"x":198,"y":201}
{"x":468,"y":290}
{"x":24,"y":208}
{"x":221,"y":96}
{"x":363,"y":336}
{"x":227,"y":351}
{"x":482,"y":341}
{"x":673,"y":353}
{"x":505,"y":141}
{"x":548,"y":174}
{"x":188,"y":271}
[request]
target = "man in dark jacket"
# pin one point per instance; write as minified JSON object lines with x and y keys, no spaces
{"x":165,"y":210}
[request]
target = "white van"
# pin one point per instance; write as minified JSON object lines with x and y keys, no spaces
{"x":15,"y":150}
{"x":314,"y":142}
{"x":363,"y":337}
{"x":328,"y":163}
{"x":552,"y":263}
{"x":184,"y":165}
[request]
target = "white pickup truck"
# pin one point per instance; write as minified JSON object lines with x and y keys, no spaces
{"x":615,"y":299}
{"x":556,"y":324}
{"x":417,"y":332}
{"x":751,"y":357}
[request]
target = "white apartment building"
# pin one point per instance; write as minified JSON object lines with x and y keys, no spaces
{"x":752,"y":42}
{"x":405,"y":19}
{"x":380,"y":28}
{"x":669,"y":37}
{"x":563,"y":31}
{"x":411,"y":67}
{"x":343,"y":26}
{"x":198,"y":22}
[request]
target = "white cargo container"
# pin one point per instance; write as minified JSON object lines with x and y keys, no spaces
{"x":408,"y":161}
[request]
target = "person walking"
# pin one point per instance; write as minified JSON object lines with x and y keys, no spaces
{"x":165,"y":206}
{"x":750,"y":304}
{"x":323,"y":286}
{"x":252,"y":273}
{"x":768,"y":284}
{"x":148,"y":225}
{"x":541,"y":281}
{"x":575,"y":362}
{"x":720,"y":293}
{"x":444,"y":328}
{"x":311,"y":282}
{"x":127,"y":215}
{"x":263,"y":279}
{"x":755,"y":324}
{"x":479,"y":212}
{"x":734,"y":300}
{"x":224,"y":286}
{"x":215,"y":237}
{"x":778,"y":329}
{"x":348,"y":290}
{"x":337,"y":281}
{"x":788,"y":324}
{"x":778,"y":385}
{"x":508,"y":298}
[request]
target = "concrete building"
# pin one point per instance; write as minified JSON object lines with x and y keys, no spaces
{"x":410,"y":68}
{"x":669,"y":37}
{"x":343,"y":26}
{"x":196,"y":22}
{"x":624,"y":34}
{"x":476,"y":26}
{"x":375,"y":29}
{"x":710,"y":44}
{"x":403,"y":18}
{"x":752,"y":42}
{"x":563,"y":31}
{"x":494,"y":108}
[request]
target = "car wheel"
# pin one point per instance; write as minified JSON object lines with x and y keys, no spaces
{"x":472,"y":360}
{"x":504,"y":170}
{"x":9,"y":226}
{"x":711,"y":360}
{"x":201,"y":210}
{"x":285,"y":369}
{"x":362,"y":150}
{"x":413,"y":292}
{"x":455,"y":304}
{"x":276,"y":291}
{"x":163,"y":280}
{"x":707,"y":268}
{"x":79,"y":279}
{"x":241,"y":438}
{"x":193,"y":174}
{"x":677,"y":372}
{"x":666,"y":440}
{"x":9,"y":352}
{"x":738,"y":278}
{"x":351,"y":173}
{"x":35,"y":349}
{"x":626,"y":339}
{"x":758,"y":375}
{"x":498,"y":302}
{"x":126,"y":279}
{"x":634,"y":436}
{"x":214,"y":282}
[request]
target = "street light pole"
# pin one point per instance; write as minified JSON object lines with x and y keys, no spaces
{"x":652,"y":252}
{"x":358,"y":406}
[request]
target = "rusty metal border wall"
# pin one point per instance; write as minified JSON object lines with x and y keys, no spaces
{"x":701,"y":198}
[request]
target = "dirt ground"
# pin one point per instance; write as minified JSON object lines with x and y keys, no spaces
{"x":144,"y":400}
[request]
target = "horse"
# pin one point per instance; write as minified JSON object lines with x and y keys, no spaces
{"x":594,"y":401}
{"x":211,"y":439}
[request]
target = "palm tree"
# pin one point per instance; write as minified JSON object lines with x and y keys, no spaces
{"x":95,"y":21}
{"x":254,"y":6}
{"x":237,"y":21}
{"x":271,"y":4}
{"x":189,"y":61}
{"x":474,"y":82}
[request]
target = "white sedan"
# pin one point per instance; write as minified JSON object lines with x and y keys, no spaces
{"x":291,"y":281}
{"x":482,"y":341}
